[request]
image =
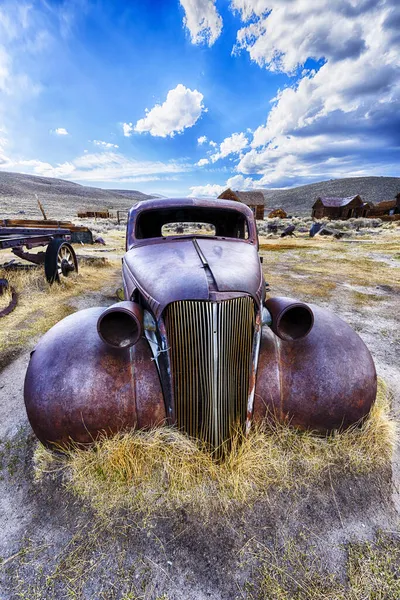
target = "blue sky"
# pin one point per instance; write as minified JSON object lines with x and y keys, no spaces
{"x":190,"y":96}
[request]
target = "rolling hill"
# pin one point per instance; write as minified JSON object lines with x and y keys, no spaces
{"x":62,"y":199}
{"x":299,"y":200}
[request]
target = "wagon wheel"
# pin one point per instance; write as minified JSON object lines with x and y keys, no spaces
{"x":60,"y":261}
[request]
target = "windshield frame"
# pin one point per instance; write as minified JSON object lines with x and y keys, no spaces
{"x":201,"y":208}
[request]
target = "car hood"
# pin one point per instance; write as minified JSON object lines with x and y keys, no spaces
{"x":192,"y":269}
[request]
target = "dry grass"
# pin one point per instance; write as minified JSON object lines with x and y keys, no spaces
{"x":154,"y":471}
{"x":296,"y":572}
{"x":40,"y":305}
{"x":317,"y":268}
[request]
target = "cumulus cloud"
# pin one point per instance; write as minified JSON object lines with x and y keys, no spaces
{"x":333,"y":118}
{"x":202,"y":140}
{"x":204,"y":191}
{"x":231,"y":145}
{"x":102,"y":144}
{"x":127,"y":128}
{"x":288,"y":34}
{"x":238,"y":182}
{"x":181,"y":109}
{"x":61,"y":131}
{"x":202,"y":20}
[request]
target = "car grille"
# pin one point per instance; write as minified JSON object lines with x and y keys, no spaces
{"x":210,"y":345}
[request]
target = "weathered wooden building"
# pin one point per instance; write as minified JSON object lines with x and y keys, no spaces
{"x":387,"y":208}
{"x":254,"y":200}
{"x":340,"y":208}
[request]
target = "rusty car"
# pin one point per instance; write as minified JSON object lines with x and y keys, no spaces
{"x":197,"y":343}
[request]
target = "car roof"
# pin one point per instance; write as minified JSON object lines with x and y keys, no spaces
{"x":163,"y":203}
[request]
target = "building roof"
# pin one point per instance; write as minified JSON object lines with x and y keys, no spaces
{"x":384,"y":206}
{"x":337,"y":202}
{"x":250,"y":198}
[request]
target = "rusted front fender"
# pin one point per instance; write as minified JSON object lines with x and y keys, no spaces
{"x":325,"y":381}
{"x":77,"y":386}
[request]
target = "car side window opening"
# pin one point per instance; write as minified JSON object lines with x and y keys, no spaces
{"x":186,"y":220}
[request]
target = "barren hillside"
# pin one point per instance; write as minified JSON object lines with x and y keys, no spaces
{"x":61,"y":199}
{"x":299,"y":200}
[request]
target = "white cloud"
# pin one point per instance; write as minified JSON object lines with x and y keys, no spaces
{"x":104,"y":144}
{"x":288,"y":160}
{"x":61,"y":131}
{"x":231,"y":145}
{"x":202,"y":20}
{"x":209,"y":190}
{"x":333,"y":118}
{"x":202,"y":140}
{"x":181,"y":109}
{"x":127,"y":128}
{"x":291,"y":32}
{"x":202,"y":162}
{"x":213,"y":144}
{"x":105,"y":166}
{"x":238,"y":182}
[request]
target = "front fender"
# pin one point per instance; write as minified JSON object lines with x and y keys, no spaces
{"x":77,"y":386}
{"x":325,"y":381}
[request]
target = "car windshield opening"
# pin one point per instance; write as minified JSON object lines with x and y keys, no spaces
{"x":172,"y":229}
{"x":191,"y":221}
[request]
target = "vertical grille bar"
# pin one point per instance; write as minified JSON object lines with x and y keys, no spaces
{"x":210,"y":351}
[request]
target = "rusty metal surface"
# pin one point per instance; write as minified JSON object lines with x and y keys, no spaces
{"x":37,"y":259}
{"x":325,"y":381}
{"x":30,"y":240}
{"x":76,"y":386}
{"x":121,"y":325}
{"x":78,"y":232}
{"x":178,"y":273}
{"x":235,"y":265}
{"x":291,"y":319}
{"x":211,"y":354}
{"x":310,"y":369}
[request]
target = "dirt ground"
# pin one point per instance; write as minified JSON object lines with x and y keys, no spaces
{"x":53,"y":546}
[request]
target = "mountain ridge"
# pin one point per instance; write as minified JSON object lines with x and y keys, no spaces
{"x":299,"y":200}
{"x":62,"y":199}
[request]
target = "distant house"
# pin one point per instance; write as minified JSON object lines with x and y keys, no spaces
{"x":254,"y":200}
{"x":387,"y":208}
{"x":340,"y":208}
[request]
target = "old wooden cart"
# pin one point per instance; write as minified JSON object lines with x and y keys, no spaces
{"x":59,"y":259}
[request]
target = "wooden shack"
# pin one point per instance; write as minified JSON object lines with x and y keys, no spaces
{"x":94,"y":214}
{"x":254,"y":200}
{"x":340,"y":208}
{"x":387,"y":208}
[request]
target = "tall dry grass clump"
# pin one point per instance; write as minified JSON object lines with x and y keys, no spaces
{"x":161,"y":469}
{"x":41,"y":305}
